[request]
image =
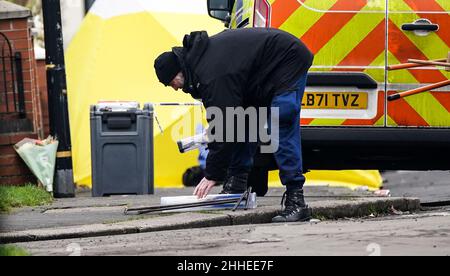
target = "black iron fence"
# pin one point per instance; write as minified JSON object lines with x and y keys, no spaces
{"x":12,"y":97}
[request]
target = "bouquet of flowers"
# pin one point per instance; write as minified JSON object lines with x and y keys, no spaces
{"x":40,"y":157}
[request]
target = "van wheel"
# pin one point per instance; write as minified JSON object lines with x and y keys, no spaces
{"x":258,"y":180}
{"x":193,"y":176}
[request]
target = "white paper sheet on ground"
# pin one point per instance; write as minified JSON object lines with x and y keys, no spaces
{"x":193,"y":199}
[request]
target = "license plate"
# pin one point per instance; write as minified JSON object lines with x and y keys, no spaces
{"x":335,"y":100}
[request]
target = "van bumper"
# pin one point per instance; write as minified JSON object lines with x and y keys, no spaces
{"x":348,"y":148}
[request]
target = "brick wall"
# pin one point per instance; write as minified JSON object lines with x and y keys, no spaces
{"x":42,"y":88}
{"x":13,"y":170}
{"x":19,"y":33}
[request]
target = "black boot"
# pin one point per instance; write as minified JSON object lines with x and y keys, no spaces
{"x":235,"y":184}
{"x":295,"y":208}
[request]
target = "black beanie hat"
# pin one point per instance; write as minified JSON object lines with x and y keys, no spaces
{"x":167,"y":67}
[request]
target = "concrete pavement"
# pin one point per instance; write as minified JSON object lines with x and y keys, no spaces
{"x":93,"y":217}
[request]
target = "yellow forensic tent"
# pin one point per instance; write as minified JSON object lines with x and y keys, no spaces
{"x":111,"y":58}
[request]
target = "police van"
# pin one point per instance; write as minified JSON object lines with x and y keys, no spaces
{"x":355,"y":115}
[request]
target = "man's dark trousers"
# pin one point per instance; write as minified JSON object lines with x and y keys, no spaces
{"x":289,"y":153}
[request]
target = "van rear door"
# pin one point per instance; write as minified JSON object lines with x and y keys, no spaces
{"x":408,"y":40}
{"x":348,"y":38}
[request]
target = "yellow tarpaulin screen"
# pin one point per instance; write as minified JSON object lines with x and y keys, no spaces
{"x":111,"y":58}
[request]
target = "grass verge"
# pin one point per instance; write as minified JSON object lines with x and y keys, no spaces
{"x":29,"y":195}
{"x":11,"y":251}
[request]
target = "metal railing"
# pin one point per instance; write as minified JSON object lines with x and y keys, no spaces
{"x":12,"y":96}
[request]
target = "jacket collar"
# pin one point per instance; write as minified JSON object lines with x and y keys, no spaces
{"x":194,"y":46}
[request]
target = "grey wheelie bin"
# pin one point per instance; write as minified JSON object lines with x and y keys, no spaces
{"x":122,"y":149}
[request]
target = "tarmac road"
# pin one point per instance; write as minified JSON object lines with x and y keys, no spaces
{"x":427,"y":186}
{"x":426,"y":233}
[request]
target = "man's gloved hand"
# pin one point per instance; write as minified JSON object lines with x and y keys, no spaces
{"x":204,"y":187}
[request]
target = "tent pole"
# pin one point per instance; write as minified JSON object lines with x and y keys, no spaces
{"x":87,"y":5}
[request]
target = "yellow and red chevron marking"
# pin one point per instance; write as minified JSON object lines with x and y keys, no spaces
{"x":369,"y":50}
{"x":429,"y":109}
{"x":403,"y":49}
{"x":319,"y":34}
{"x":443,"y":99}
{"x":361,"y":54}
{"x":421,"y":7}
{"x":306,"y":121}
{"x":403,"y":114}
{"x":330,"y":24}
{"x":282,"y":10}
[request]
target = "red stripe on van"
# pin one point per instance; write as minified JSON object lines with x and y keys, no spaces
{"x":443,"y":98}
{"x":282,"y":10}
{"x":331,"y":23}
{"x":305,"y":122}
{"x":443,"y":20}
{"x":403,"y":49}
{"x":368,"y":49}
{"x":404,"y":115}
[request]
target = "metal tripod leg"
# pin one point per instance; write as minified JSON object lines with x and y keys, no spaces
{"x":245,"y":196}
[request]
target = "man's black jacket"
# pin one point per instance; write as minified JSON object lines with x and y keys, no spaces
{"x":239,"y":68}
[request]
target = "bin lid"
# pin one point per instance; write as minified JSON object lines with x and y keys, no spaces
{"x":117,"y":106}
